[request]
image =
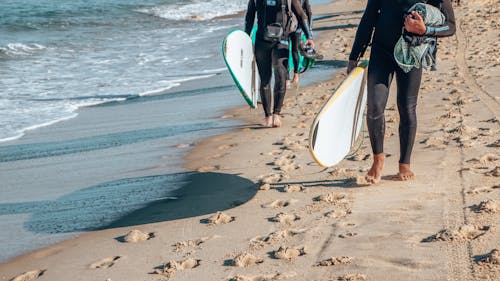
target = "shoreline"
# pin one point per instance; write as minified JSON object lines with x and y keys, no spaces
{"x":82,"y":116}
{"x":390,"y":231}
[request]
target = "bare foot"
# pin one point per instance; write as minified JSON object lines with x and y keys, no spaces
{"x":276,"y":120}
{"x":288,"y":85}
{"x":405,"y":173}
{"x":375,"y":173}
{"x":268,"y":122}
{"x":296,"y":79}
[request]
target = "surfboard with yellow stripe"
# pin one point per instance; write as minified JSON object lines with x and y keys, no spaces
{"x":338,"y":124}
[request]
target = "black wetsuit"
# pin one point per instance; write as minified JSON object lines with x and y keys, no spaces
{"x":386,"y":17}
{"x":272,"y":55}
{"x":296,"y":37}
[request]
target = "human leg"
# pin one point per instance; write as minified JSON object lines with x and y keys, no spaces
{"x":408,"y":87}
{"x":263,"y":56}
{"x":296,"y":39}
{"x":380,"y":74}
{"x":280,"y":66}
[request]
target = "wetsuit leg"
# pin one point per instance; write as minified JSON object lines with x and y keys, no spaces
{"x":263,"y":56}
{"x":408,"y":86}
{"x":380,"y":74}
{"x":280,"y":65}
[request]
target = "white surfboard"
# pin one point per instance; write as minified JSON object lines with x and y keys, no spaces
{"x":237,"y":50}
{"x":338,"y":124}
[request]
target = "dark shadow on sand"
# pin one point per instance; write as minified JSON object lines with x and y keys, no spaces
{"x":338,"y":14}
{"x":342,"y":183}
{"x":135,"y":201}
{"x":332,"y":63}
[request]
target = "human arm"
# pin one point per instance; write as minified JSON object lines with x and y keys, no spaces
{"x":308,"y":11}
{"x":448,"y":28}
{"x":365,"y":30}
{"x":302,"y":18}
{"x":414,"y":22}
{"x":250,"y":16}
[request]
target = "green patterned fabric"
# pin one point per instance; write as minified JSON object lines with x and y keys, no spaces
{"x":409,"y":56}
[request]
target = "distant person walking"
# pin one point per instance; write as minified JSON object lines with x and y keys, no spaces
{"x":296,"y":40}
{"x":274,"y":18}
{"x":385,"y":20}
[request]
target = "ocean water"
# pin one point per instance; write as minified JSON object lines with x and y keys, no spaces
{"x":59,"y":55}
{"x":110,"y":58}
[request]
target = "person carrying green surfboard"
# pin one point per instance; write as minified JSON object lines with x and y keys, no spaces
{"x":276,"y":20}
{"x":296,"y":41}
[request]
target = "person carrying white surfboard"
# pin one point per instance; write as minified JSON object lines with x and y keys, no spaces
{"x":276,"y":19}
{"x":385,"y":20}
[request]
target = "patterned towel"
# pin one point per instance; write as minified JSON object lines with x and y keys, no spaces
{"x":413,"y":51}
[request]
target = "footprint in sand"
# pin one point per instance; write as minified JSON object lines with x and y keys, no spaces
{"x":352,"y":277}
{"x":28,"y":276}
{"x":492,"y":120}
{"x":485,"y":159}
{"x":279,"y":203}
{"x":275,"y":152}
{"x":332,"y":198}
{"x":265,"y":186}
{"x":483,"y":189}
{"x":341,"y":173}
{"x":463,"y":233}
{"x":168,"y":269}
{"x":289,"y":253}
{"x":494,"y":144}
{"x":274,"y":237}
{"x":288,"y":167}
{"x":490,"y":260}
{"x":189,"y":244}
{"x":338,"y":213}
{"x":493,"y":173}
{"x":277,"y":276}
{"x":488,"y":206}
{"x":359,"y":157}
{"x":488,"y":158}
{"x":245,"y":260}
{"x":105,"y":263}
{"x":293,"y":188}
{"x":135,"y":236}
{"x":347,"y":234}
{"x":335,"y":261}
{"x":272,"y":178}
{"x":295,"y":147}
{"x":285,"y":218}
{"x":219,"y":218}
{"x":434,"y":142}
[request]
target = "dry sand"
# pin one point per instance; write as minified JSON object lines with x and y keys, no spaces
{"x":309,"y":223}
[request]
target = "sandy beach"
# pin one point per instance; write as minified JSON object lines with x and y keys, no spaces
{"x":255,"y":206}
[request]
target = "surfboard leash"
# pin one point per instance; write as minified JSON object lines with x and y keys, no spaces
{"x":360,"y":143}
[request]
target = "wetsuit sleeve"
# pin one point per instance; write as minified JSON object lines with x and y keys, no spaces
{"x":250,"y":16}
{"x":302,"y":18}
{"x":448,"y":28}
{"x":365,"y":29}
{"x":308,"y":11}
